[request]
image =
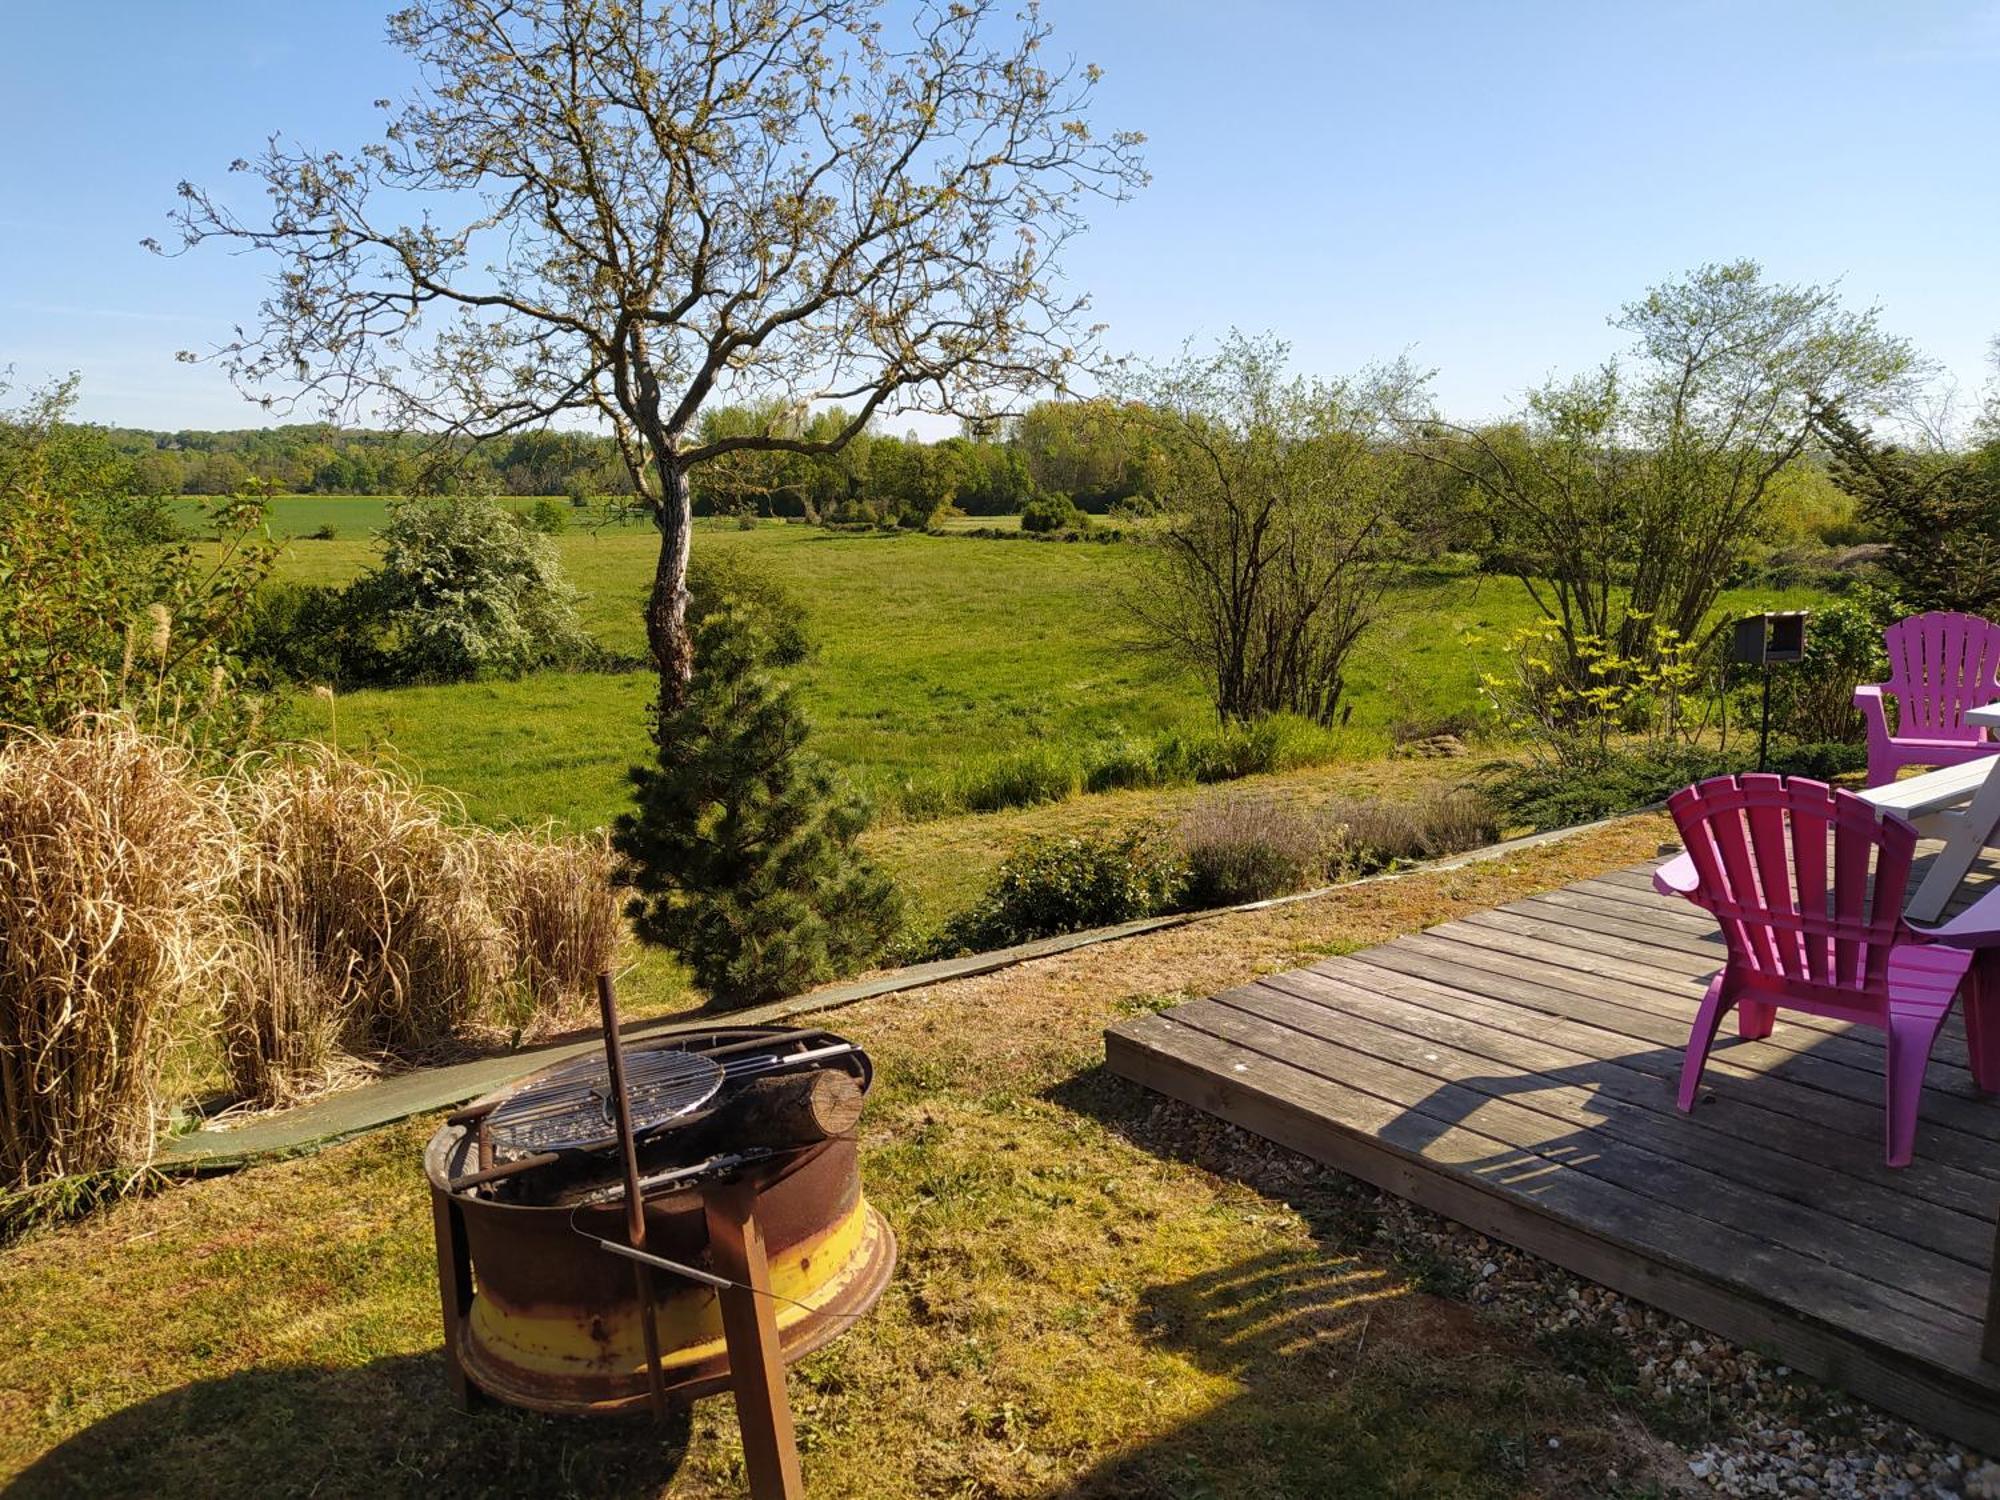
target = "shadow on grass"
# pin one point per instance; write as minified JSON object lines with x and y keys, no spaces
{"x":1340,"y":1376}
{"x":384,"y":1428}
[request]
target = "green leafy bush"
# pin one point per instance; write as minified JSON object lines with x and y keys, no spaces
{"x":309,"y":633}
{"x":548,"y":517}
{"x":742,"y":846}
{"x":103,"y":604}
{"x":1552,"y":796}
{"x":1067,"y":884}
{"x":1812,"y":701}
{"x":467,"y":589}
{"x":719,"y":581}
{"x":1053,"y":512}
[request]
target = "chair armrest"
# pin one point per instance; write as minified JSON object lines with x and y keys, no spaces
{"x":1677,"y":877}
{"x":1978,"y":926}
{"x":1868,"y":698}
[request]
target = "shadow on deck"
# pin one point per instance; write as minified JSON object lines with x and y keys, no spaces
{"x":1515,"y":1071}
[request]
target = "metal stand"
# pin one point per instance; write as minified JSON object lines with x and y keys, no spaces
{"x":750,"y":1328}
{"x":1764,"y":729}
{"x":454,"y":1291}
{"x":635,"y":1204}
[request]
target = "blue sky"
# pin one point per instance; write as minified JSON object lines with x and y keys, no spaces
{"x":1478,"y":184}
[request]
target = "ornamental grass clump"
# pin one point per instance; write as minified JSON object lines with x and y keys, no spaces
{"x":559,"y":907}
{"x":116,"y":861}
{"x":282,"y":1015}
{"x":385,"y":889}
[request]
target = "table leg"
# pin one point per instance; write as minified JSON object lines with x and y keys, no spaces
{"x":1970,"y":832}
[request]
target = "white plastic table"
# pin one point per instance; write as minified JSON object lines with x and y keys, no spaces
{"x":1961,"y":805}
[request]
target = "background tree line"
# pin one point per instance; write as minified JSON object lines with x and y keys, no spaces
{"x":1084,"y":450}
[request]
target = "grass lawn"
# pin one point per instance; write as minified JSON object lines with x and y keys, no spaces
{"x":932,"y":651}
{"x":1100,"y":1293}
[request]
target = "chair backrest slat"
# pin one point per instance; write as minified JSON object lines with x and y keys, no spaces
{"x":1941,"y":664}
{"x":1759,"y":845}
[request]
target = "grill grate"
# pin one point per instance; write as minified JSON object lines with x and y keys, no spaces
{"x":570,"y":1110}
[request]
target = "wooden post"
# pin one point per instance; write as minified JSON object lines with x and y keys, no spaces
{"x":454,"y":1289}
{"x":750,"y":1329}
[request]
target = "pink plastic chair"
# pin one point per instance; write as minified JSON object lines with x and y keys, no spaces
{"x":1807,"y":935}
{"x":1940,"y":664}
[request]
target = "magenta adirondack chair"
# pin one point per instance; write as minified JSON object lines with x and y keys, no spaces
{"x":1808,"y":935}
{"x":1940,"y":664}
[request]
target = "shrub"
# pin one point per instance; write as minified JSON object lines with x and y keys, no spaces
{"x":1373,"y":835}
{"x":1053,"y":512}
{"x":719,"y":581}
{"x":465,"y":588}
{"x":384,"y":888}
{"x":100,"y":607}
{"x":1813,"y":700}
{"x":1543,"y":796}
{"x":547,"y":517}
{"x":742,"y":847}
{"x":114,"y":861}
{"x":324,"y":532}
{"x":1241,"y":849}
{"x":1067,"y":884}
{"x":310,"y":633}
{"x":558,"y":905}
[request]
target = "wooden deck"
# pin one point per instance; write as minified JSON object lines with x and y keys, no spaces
{"x":1515,"y":1071}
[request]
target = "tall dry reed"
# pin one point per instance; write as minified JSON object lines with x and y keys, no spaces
{"x":116,"y":858}
{"x":556,"y":900}
{"x":283,"y":1013}
{"x":382,"y":887}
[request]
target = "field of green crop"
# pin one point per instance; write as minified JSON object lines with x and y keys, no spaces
{"x":934,"y":651}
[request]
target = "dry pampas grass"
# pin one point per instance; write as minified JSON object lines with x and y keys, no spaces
{"x":378,"y":887}
{"x":556,"y":900}
{"x":116,"y":857}
{"x":320,"y":907}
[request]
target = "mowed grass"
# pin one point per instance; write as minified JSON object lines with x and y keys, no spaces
{"x":934,"y":652}
{"x":1098,"y":1294}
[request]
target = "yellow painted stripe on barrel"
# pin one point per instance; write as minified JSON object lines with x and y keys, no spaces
{"x":551,"y":1341}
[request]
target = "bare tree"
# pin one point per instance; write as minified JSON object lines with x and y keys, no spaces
{"x":1623,"y":499}
{"x":627,"y":209}
{"x":1281,"y":507}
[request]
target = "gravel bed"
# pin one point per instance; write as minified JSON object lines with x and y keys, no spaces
{"x":1746,"y":1426}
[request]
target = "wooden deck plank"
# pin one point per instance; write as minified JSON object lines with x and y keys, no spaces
{"x":1602,"y":1094}
{"x":1332,"y":1124}
{"x":1822,"y":1043}
{"x":1596,"y":934}
{"x":1515,"y":1070}
{"x":1826,"y":1090}
{"x":1536,"y":1156}
{"x":1749,"y":1120}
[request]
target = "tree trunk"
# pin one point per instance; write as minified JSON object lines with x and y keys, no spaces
{"x":666,"y":608}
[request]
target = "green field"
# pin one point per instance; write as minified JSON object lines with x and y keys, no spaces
{"x":933,"y":651}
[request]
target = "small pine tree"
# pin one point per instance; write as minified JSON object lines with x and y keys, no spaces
{"x":742,"y":844}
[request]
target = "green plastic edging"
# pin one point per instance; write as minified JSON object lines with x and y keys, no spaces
{"x":313,"y":1127}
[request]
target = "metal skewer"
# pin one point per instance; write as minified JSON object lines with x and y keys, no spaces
{"x":635,"y":1205}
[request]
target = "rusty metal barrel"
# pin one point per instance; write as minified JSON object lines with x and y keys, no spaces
{"x":553,"y":1321}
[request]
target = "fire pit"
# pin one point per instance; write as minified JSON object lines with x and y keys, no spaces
{"x":541,"y":1306}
